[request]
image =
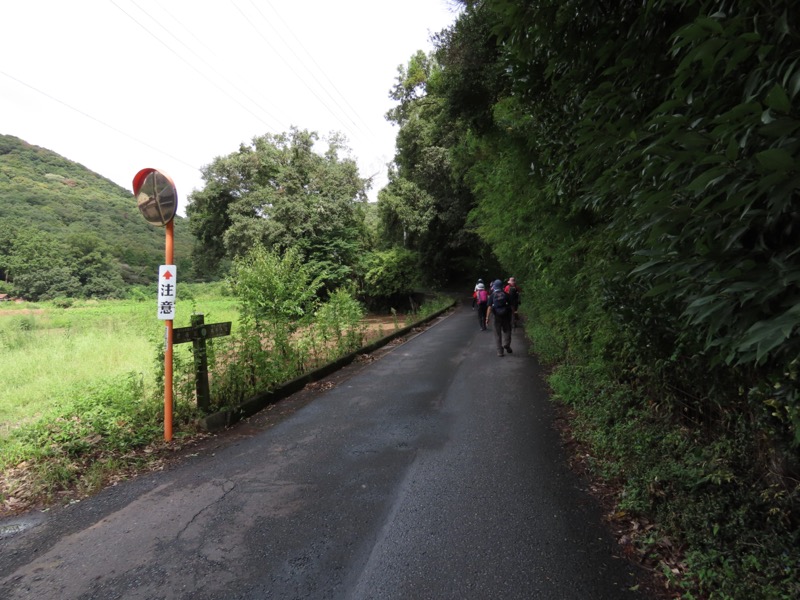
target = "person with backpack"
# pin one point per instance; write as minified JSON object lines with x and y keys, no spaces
{"x":513,"y":294}
{"x":480,"y":298}
{"x":499,"y":305}
{"x":480,"y":282}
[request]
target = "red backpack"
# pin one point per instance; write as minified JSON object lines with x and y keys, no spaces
{"x":481,"y":297}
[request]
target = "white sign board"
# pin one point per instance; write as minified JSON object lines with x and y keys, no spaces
{"x":167,"y":280}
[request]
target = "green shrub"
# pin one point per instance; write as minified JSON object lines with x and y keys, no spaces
{"x":62,"y":302}
{"x":104,"y":424}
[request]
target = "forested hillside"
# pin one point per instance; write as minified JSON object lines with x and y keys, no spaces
{"x":67,"y":231}
{"x":636,"y":166}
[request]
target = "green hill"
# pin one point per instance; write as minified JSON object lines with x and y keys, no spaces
{"x":67,"y":231}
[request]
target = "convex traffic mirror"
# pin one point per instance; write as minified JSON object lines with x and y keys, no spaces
{"x":156,"y":196}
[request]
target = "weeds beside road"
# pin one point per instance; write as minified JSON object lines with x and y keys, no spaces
{"x":79,"y":441}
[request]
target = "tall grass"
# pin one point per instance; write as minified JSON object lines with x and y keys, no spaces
{"x":82,"y":392}
{"x":46,"y":351}
{"x":79,"y":397}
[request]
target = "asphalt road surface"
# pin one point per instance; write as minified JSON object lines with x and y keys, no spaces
{"x":433,"y":472}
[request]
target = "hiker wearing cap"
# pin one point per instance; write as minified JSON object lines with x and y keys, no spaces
{"x":480,"y":298}
{"x":499,"y":305}
{"x":513,"y":294}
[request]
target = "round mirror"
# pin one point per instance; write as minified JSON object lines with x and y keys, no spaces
{"x":156,"y":196}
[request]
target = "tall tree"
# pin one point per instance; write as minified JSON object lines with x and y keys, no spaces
{"x":280,"y":192}
{"x":423,"y":181}
{"x":37,"y":265}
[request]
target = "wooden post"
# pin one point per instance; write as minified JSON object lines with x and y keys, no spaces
{"x":200,"y":364}
{"x":198,"y":333}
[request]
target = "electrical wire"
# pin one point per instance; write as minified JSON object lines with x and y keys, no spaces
{"x":300,"y":79}
{"x":203,"y":61}
{"x":368,"y":136}
{"x":310,"y":72}
{"x":103,"y":123}
{"x":191,"y":66}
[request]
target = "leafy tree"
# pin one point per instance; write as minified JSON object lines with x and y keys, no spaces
{"x":281,"y":193}
{"x":405,"y":211}
{"x":411,"y":87}
{"x":275,"y":288}
{"x":99,"y":273}
{"x":48,"y":283}
{"x":390,"y":274}
{"x":36,"y":265}
{"x":278,"y":294}
{"x":423,"y":180}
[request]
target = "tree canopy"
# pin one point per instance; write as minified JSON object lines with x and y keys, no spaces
{"x":280,"y":192}
{"x":425,"y":206}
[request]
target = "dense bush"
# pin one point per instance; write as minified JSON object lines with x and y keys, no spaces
{"x":389,"y":275}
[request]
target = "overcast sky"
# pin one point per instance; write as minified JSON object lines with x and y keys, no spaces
{"x":120,"y":85}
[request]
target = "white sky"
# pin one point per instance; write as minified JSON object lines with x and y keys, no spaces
{"x":172,"y":84}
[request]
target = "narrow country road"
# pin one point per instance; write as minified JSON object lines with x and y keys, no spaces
{"x":432,"y":473}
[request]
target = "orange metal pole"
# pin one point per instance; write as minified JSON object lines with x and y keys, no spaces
{"x":168,"y":345}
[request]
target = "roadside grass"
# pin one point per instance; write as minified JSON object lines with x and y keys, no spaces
{"x":83,"y":403}
{"x":80,"y":404}
{"x":44,"y":362}
{"x":95,"y":435}
{"x":693,"y":506}
{"x":47,"y":350}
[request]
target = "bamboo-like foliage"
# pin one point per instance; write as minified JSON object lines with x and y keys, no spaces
{"x":643,"y":158}
{"x":635,"y":166}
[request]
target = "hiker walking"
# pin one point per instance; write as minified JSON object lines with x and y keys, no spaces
{"x":480,"y":298}
{"x":513,"y":296}
{"x":499,"y":305}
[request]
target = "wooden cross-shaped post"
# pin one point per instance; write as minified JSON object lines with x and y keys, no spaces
{"x":198,"y":333}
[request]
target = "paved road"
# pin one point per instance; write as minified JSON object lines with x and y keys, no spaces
{"x":430,"y":473}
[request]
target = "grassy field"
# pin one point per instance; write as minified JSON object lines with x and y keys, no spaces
{"x":80,"y":398}
{"x":45,"y":350}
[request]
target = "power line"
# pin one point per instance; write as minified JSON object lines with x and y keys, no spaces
{"x":321,"y":70}
{"x":191,"y":66}
{"x":103,"y":123}
{"x":367,"y":136}
{"x":310,"y":72}
{"x":278,"y":53}
{"x":202,"y":60}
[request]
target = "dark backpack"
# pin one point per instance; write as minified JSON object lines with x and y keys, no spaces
{"x":513,"y":295}
{"x":499,"y":303}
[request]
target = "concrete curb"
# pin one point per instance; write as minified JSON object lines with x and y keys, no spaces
{"x":230,"y":416}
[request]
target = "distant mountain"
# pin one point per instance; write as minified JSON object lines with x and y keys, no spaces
{"x":75,"y":213}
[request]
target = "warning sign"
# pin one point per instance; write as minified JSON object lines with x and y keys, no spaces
{"x":167,"y":279}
